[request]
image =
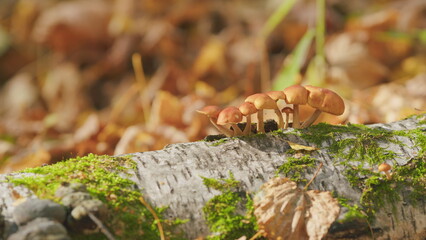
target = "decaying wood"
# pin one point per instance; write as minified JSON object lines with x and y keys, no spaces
{"x":173,"y":177}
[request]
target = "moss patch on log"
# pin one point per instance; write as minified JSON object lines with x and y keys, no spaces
{"x":361,"y":152}
{"x":223,"y":212}
{"x":296,"y":166}
{"x":129,"y":218}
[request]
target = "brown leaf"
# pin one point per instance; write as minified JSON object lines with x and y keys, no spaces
{"x":88,"y":129}
{"x":284,"y":211}
{"x":27,"y":160}
{"x":211,"y":58}
{"x":18,"y":95}
{"x":62,"y":91}
{"x":351,"y":62}
{"x":71,"y":25}
{"x":166,"y":108}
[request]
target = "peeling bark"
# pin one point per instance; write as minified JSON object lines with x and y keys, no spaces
{"x":172,"y":177}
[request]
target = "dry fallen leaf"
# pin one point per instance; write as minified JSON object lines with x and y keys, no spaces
{"x":72,"y":25}
{"x":284,"y":211}
{"x":166,"y":108}
{"x":299,"y":147}
{"x":351,"y":62}
{"x":28,"y":159}
{"x":211,"y":58}
{"x":62,"y":90}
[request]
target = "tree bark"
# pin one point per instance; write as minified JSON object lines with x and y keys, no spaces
{"x":173,"y":176}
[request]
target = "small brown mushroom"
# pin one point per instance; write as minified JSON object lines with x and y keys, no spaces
{"x":277,"y":95}
{"x":384,"y":167}
{"x":232,"y":116}
{"x":324,"y":100}
{"x":212,"y":112}
{"x":247,"y":109}
{"x":287,"y":111}
{"x":296,"y":95}
{"x":261,"y":101}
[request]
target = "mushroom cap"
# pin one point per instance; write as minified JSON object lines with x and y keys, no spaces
{"x":262,"y":101}
{"x":325,"y":100}
{"x":247,"y":108}
{"x":251,"y":98}
{"x":229,"y":115}
{"x":296,"y":94}
{"x":210,"y":111}
{"x":287,"y":110}
{"x":315,"y":96}
{"x":276,"y":95}
{"x":384,"y":167}
{"x":333,"y":103}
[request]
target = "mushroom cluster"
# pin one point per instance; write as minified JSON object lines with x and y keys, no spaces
{"x":322,"y":99}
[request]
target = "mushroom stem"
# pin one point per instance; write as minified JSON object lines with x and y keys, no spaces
{"x":311,"y":119}
{"x":247,"y":129}
{"x":388,"y":175}
{"x":228,"y":132}
{"x":280,"y":118}
{"x":296,"y":121}
{"x":237,"y":130}
{"x":260,"y":125}
{"x":287,"y":117}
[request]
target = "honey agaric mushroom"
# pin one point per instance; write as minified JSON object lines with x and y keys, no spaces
{"x":277,"y":95}
{"x":384,"y":167}
{"x":261,"y":101}
{"x":296,"y":95}
{"x":324,"y":100}
{"x":287,"y":111}
{"x":247,"y":109}
{"x":212,"y":112}
{"x":232,"y":116}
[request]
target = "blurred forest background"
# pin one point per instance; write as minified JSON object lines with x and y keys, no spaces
{"x":122,"y":76}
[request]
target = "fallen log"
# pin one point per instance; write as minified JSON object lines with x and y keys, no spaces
{"x":389,"y":208}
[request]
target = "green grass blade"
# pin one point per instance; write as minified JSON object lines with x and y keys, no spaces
{"x":287,"y":75}
{"x":320,"y":28}
{"x":277,"y":17}
{"x":5,"y":41}
{"x":317,"y":69}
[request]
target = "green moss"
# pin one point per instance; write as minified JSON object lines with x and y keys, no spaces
{"x":420,"y":117}
{"x":379,"y":192}
{"x":295,"y":167}
{"x":128,"y":219}
{"x":418,"y":136}
{"x":219,"y":142}
{"x":223,"y":214}
{"x":361,"y":151}
{"x":412,"y":176}
{"x":362,"y":147}
{"x":355,"y":212}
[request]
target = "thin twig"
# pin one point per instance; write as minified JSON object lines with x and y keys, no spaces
{"x":157,"y":219}
{"x":100,"y":225}
{"x":141,"y":80}
{"x":369,"y":225}
{"x":122,"y":102}
{"x":258,"y":234}
{"x":315,"y":175}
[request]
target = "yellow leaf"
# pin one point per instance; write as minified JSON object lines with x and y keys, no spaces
{"x":299,"y":147}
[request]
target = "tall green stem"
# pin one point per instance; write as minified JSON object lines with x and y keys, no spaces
{"x":320,"y":29}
